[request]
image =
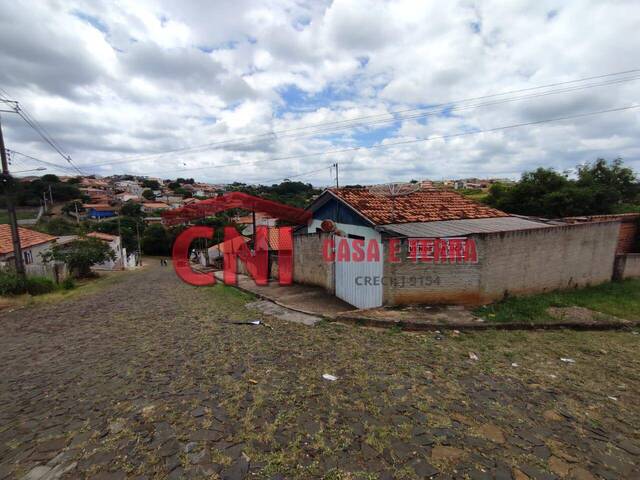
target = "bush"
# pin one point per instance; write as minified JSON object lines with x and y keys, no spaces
{"x":68,"y":284}
{"x":39,"y":285}
{"x":12,"y":284}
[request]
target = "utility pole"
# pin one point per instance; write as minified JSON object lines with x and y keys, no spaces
{"x":50,"y":196}
{"x":337,"y":183}
{"x":75,"y":204}
{"x":120,"y":242}
{"x":139,"y":247}
{"x":11,"y":209}
{"x":253,"y":213}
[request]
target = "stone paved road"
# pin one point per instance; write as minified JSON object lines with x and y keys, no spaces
{"x":144,"y":379}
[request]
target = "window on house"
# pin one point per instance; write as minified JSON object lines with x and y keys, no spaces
{"x":28,"y":257}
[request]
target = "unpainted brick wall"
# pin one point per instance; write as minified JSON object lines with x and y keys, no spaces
{"x":628,"y":237}
{"x":309,"y":266}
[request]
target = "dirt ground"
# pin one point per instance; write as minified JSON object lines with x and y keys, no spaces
{"x":144,"y":379}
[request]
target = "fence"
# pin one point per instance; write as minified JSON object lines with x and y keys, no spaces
{"x":56,"y":272}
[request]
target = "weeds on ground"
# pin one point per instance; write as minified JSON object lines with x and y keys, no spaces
{"x":620,"y":299}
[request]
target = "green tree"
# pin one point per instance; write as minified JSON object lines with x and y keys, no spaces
{"x":80,"y":255}
{"x":183,"y":191}
{"x":70,"y":207}
{"x":58,"y":226}
{"x":131,"y":209}
{"x":600,"y":188}
{"x":148,"y":195}
{"x":612,"y":183}
{"x":128,"y":230}
{"x":50,"y":178}
{"x":152,"y":184}
{"x":156,"y":240}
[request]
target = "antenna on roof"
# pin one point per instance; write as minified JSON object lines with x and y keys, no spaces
{"x":394,"y":190}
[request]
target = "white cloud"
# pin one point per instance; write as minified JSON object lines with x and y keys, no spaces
{"x":116,"y":79}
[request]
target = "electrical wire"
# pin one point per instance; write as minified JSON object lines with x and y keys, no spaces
{"x":406,"y":142}
{"x":44,"y":162}
{"x":288,"y":177}
{"x":41,"y":131}
{"x":355,"y":122}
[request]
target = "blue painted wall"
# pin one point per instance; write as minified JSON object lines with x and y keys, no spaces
{"x":101,"y":214}
{"x":341,"y":214}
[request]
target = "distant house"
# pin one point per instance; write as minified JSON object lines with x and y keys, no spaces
{"x":174,"y":201}
{"x":129,"y":186}
{"x":246,"y":222}
{"x":149,"y":207}
{"x":114,"y":243}
{"x":128,"y":197}
{"x":217,"y":251}
{"x":99,"y":211}
{"x":33,"y":245}
{"x":96,"y":195}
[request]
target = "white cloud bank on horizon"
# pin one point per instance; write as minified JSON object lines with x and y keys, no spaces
{"x":117,"y":80}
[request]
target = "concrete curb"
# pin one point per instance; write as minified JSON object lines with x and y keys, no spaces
{"x":429,"y":327}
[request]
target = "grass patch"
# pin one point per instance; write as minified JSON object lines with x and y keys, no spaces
{"x":81,"y":287}
{"x":22,"y":214}
{"x":620,"y":299}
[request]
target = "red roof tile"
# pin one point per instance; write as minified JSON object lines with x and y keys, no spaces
{"x":426,"y":205}
{"x":275,"y":242}
{"x":28,"y":238}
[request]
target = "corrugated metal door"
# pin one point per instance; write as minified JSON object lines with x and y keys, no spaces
{"x":358,"y":282}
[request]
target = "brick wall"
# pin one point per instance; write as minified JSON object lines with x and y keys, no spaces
{"x":628,"y":238}
{"x":511,"y":263}
{"x":534,"y":261}
{"x":410,"y":281}
{"x":309,"y":266}
{"x":627,"y":266}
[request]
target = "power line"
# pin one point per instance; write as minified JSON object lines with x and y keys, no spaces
{"x":288,"y":177}
{"x":355,"y":122}
{"x":50,"y":141}
{"x":52,"y":164}
{"x":41,"y":131}
{"x":406,"y":142}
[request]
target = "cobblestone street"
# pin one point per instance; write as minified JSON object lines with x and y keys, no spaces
{"x":144,"y":378}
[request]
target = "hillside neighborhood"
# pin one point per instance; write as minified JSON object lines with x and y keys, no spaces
{"x":334,"y":239}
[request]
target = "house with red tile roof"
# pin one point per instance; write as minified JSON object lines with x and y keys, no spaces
{"x":407,"y":221}
{"x":366,"y":212}
{"x":33,"y":245}
{"x":148,"y":207}
{"x":114,"y":243}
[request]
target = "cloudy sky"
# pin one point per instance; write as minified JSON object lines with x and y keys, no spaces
{"x":258,"y":91}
